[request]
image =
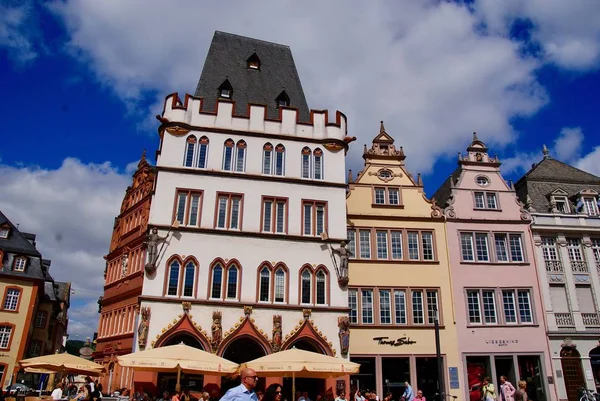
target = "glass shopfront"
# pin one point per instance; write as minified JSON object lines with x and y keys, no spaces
{"x":366,"y":378}
{"x":514,"y":367}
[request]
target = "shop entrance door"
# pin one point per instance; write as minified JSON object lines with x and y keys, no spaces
{"x":570,"y":360}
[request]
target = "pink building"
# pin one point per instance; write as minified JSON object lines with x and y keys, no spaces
{"x":498,"y":310}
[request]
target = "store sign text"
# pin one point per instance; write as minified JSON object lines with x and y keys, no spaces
{"x":394,"y":343}
{"x":502,"y":343}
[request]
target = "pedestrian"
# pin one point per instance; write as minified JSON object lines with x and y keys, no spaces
{"x":488,"y":391}
{"x":419,"y":396}
{"x":341,"y":395}
{"x":408,"y":395}
{"x":245,"y":391}
{"x":507,"y":390}
{"x":521,"y":393}
{"x":273,"y":393}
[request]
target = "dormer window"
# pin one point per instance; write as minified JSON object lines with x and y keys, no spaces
{"x":253,"y":62}
{"x":4,"y":232}
{"x":562,"y":204}
{"x":283,"y":100}
{"x":226,"y":90}
{"x":20,"y":263}
{"x":591,"y":206}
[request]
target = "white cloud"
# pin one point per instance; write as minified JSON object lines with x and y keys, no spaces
{"x":590,"y":162}
{"x":71,"y":209}
{"x":83,"y":321}
{"x":567,"y":145}
{"x":14,"y":32}
{"x":420,"y":66}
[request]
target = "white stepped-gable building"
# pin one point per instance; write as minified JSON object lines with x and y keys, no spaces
{"x":251,"y":197}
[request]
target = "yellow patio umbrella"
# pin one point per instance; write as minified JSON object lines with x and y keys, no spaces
{"x":301,"y":363}
{"x":179,"y":358}
{"x":62,"y":363}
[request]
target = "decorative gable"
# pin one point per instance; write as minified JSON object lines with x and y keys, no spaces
{"x":383,"y":147}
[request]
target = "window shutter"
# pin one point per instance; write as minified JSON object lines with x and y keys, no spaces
{"x":558,"y":297}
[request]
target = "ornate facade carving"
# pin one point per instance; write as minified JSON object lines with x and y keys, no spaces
{"x":143,"y":327}
{"x":277,"y":333}
{"x":344,"y":334}
{"x":216,"y":331}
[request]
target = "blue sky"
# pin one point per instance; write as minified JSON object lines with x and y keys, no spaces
{"x":82,"y":82}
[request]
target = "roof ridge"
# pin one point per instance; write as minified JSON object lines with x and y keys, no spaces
{"x":254,"y":39}
{"x":15,"y":231}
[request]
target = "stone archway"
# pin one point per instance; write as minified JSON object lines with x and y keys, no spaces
{"x":186,"y":331}
{"x":570,"y":360}
{"x":595,"y":362}
{"x":185,"y":338}
{"x":243,"y":348}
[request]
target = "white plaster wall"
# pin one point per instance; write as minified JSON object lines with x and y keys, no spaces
{"x":161,"y":212}
{"x":164,"y":314}
{"x":251,"y":253}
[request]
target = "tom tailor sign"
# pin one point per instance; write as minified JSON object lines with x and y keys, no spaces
{"x":394,"y":343}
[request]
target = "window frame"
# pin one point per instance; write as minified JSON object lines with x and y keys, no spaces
{"x":189,"y":192}
{"x":230,"y":196}
{"x":229,"y":144}
{"x":313,"y":228}
{"x":5,"y":298}
{"x":44,"y":319}
{"x":40,"y":343}
{"x":225,"y":268}
{"x":318,"y":153}
{"x":392,"y":232}
{"x":562,"y":199}
{"x":486,"y":205}
{"x":241,"y":146}
{"x":11,"y":335}
{"x":189,"y":153}
{"x":273,"y":219}
{"x":492,"y":249}
{"x":405,"y":307}
{"x":387,"y":189}
{"x":272,"y":290}
{"x":500,"y":306}
{"x":181,"y":275}
{"x":16,"y":262}
{"x":4,"y":232}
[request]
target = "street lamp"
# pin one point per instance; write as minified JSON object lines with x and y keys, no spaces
{"x":438,"y":352}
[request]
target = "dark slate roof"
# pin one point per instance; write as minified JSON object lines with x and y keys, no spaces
{"x":50,"y":291}
{"x":549,"y":175}
{"x":445,"y":190}
{"x":17,"y":243}
{"x":63,"y":291}
{"x":57,"y":291}
{"x":226,"y":59}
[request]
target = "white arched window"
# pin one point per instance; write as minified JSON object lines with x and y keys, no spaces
{"x":280,"y":160}
{"x":265,"y":284}
{"x":190,"y":147}
{"x":267,"y":159}
{"x":318,"y":164}
{"x":173,"y":286}
{"x":189,"y":278}
{"x":228,"y":150}
{"x":321,"y":287}
{"x":240,"y":156}
{"x":203,"y":152}
{"x":232,"y":282}
{"x":306,"y":287}
{"x":279,"y":285}
{"x":306,"y":162}
{"x":217,"y":281}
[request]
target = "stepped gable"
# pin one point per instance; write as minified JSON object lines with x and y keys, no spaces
{"x":276,"y":77}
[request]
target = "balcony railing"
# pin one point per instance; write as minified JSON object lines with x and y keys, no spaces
{"x":579,"y":266}
{"x":564,"y":320}
{"x":590,"y":319}
{"x":554,"y":266}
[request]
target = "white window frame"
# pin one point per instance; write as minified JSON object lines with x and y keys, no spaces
{"x":563,"y":200}
{"x":5,"y":336}
{"x":4,"y":231}
{"x":485,"y":197}
{"x":230,"y":219}
{"x":274,"y":214}
{"x":260,"y":284}
{"x":20,"y":263}
{"x":11,"y":301}
{"x":184,"y":273}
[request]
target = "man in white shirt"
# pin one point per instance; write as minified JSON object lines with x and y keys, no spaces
{"x":57,"y":393}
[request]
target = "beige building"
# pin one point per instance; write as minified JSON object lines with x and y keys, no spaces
{"x":399,"y":277}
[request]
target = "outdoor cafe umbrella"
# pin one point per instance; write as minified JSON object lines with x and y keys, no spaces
{"x":301,"y":363}
{"x":178,"y":358}
{"x":62,"y":363}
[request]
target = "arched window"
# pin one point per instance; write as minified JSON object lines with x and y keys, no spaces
{"x":267,"y":159}
{"x":173,"y":286}
{"x":228,"y":155}
{"x":280,"y":285}
{"x":265,"y":284}
{"x":280,"y":160}
{"x":321,"y":287}
{"x":190,"y":146}
{"x":203,"y":152}
{"x":188,"y":279}
{"x":318,"y":164}
{"x":306,"y":156}
{"x":240,"y":156}
{"x":232,"y":282}
{"x":217,"y":281}
{"x":305,"y":287}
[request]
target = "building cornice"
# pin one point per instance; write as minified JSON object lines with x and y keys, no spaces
{"x":254,"y":305}
{"x":354,"y":216}
{"x":246,"y":176}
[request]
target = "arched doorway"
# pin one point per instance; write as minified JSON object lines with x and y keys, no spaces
{"x":313,"y":387}
{"x":192,"y":382}
{"x":595,"y":361}
{"x":570,"y":360}
{"x":240,"y":350}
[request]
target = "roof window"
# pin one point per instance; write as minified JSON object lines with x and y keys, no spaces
{"x":283,"y":100}
{"x":253,"y":62}
{"x":226,"y":90}
{"x":4,"y":232}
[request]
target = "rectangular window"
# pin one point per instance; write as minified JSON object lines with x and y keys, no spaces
{"x":524,"y":306}
{"x":596,"y":250}
{"x":382,"y":245}
{"x":306,"y":165}
{"x":353,"y":305}
{"x":585,"y":299}
{"x":351,"y":242}
{"x":466,"y":244}
{"x":380,"y":196}
{"x":279,"y":162}
{"x":591,"y":206}
{"x":417,"y":307}
{"x":489,"y":307}
{"x":314,"y":218}
{"x":400,"y":306}
{"x":394,"y":196}
{"x":40,"y":319}
{"x":267,"y":155}
{"x":491,"y":200}
{"x":474,"y":307}
{"x":229,"y":209}
{"x":12,"y":299}
{"x":413,"y":245}
{"x":501,"y":247}
{"x":432,"y":306}
{"x":481,"y":245}
{"x":562,"y":205}
{"x":36,"y":348}
{"x":5,"y":332}
{"x":396,"y":242}
{"x":274,"y":215}
{"x":427,"y":242}
{"x":510,"y":310}
{"x":181,"y":202}
{"x":364,"y":242}
{"x":574,"y":249}
{"x":516,"y":249}
{"x":4,"y":232}
{"x":385,"y":313}
{"x":203,"y":154}
{"x":367,"y":306}
{"x":485,"y":200}
{"x":479,"y":203}
{"x":549,"y":249}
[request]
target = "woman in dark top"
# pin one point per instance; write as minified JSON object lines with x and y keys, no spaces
{"x":273,"y":393}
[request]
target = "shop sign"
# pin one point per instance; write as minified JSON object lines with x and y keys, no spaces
{"x":394,"y":343}
{"x":453,"y":378}
{"x":501,"y":343}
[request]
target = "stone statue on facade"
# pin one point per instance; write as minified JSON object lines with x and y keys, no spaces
{"x":144,"y":326}
{"x":529,"y":204}
{"x":277,"y":334}
{"x":344,"y":253}
{"x":152,"y":243}
{"x":216,"y":330}
{"x":553,"y":207}
{"x":344,"y":334}
{"x":124,"y":263}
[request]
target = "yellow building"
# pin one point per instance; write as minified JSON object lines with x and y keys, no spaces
{"x":398,"y":278}
{"x":33,"y":309}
